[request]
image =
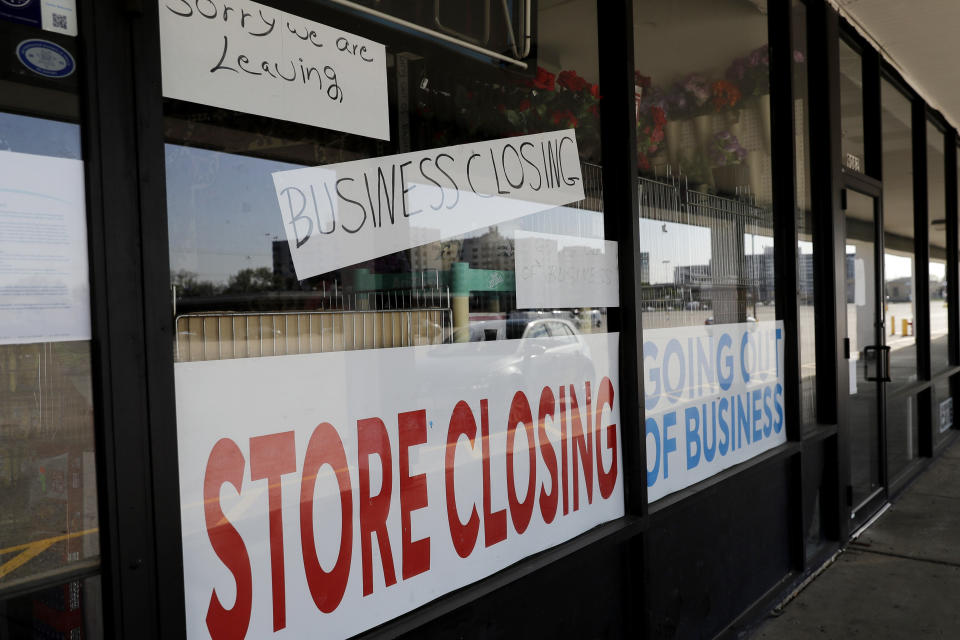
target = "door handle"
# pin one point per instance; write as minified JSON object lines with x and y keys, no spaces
{"x":878,"y":355}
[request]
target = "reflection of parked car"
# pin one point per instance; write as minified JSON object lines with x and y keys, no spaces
{"x":548,"y":327}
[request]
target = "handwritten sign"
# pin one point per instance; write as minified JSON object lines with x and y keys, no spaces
{"x":342,"y":214}
{"x":565,"y":271}
{"x":248,"y":57}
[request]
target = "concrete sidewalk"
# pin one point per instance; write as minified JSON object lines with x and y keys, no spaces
{"x":900,"y":579}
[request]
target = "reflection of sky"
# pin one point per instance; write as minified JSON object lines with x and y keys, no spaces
{"x":39,"y":136}
{"x":223,"y":212}
{"x":896,"y":266}
{"x":671,"y":245}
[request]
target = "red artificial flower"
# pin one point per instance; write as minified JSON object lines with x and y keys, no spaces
{"x":657,"y":135}
{"x":524,"y":105}
{"x":641,"y":80}
{"x":595,"y":91}
{"x":725,"y":94}
{"x":544,"y":80}
{"x":659,"y":117}
{"x":643,"y":162}
{"x":594,"y":111}
{"x":559,"y":117}
{"x":570,"y":80}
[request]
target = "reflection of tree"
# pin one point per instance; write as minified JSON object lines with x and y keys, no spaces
{"x":188,"y":285}
{"x":251,"y":280}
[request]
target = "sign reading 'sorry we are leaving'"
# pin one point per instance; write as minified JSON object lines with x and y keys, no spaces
{"x":338,"y":215}
{"x":248,"y":57}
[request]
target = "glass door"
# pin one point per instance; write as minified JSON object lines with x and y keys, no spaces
{"x":867,"y":355}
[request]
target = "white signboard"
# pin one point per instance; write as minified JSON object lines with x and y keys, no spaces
{"x":341,"y":214}
{"x":946,"y":414}
{"x":563,"y":272}
{"x":44,"y":287}
{"x":324,"y":494}
{"x":249,"y":57}
{"x":713,"y":397}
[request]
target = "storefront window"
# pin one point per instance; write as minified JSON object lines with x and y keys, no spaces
{"x":899,"y":274}
{"x":851,"y":109}
{"x":937,"y":229}
{"x":806,"y":321}
{"x":706,"y":229}
{"x":414,"y":267}
{"x":48,"y":487}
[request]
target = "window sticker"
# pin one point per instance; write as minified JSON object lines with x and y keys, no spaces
{"x":252,"y":58}
{"x":342,"y":214}
{"x":564,"y":272}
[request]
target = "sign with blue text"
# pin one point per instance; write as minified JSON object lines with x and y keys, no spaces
{"x":713,"y":397}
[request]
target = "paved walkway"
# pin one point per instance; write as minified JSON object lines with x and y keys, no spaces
{"x":900,"y":579}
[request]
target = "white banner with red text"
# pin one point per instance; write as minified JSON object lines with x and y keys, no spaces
{"x":325,"y":494}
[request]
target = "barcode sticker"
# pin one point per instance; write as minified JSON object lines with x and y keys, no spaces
{"x":59,"y":16}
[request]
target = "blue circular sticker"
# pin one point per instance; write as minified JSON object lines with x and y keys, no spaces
{"x":46,"y":58}
{"x":16,"y":4}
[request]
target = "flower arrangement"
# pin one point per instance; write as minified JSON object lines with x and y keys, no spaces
{"x":725,"y":150}
{"x":752,"y":72}
{"x":651,"y":120}
{"x":724,"y":95}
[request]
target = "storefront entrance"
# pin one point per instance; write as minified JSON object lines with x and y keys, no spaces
{"x":864,"y":348}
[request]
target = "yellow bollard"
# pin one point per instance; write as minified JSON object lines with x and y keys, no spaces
{"x":893,"y":325}
{"x":906,"y":323}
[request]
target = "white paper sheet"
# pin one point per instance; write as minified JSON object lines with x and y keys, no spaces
{"x":44,"y":287}
{"x":565,"y":271}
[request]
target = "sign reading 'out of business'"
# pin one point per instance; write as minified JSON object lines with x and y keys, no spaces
{"x":324,"y":494}
{"x":248,"y":57}
{"x":713,"y":398}
{"x":341,"y":214}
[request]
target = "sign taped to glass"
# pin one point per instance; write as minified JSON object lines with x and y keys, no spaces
{"x":248,"y":57}
{"x":327,"y":493}
{"x":342,"y":214}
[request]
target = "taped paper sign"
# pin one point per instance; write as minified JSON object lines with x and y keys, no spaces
{"x":713,"y":397}
{"x":248,"y":57}
{"x":341,"y":214}
{"x":565,"y":272}
{"x":325,"y":494}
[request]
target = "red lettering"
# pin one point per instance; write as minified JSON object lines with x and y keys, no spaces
{"x":548,"y":501}
{"x":412,"y":426}
{"x":225,"y":465}
{"x":372,"y":438}
{"x":325,"y":447}
{"x":564,"y":467}
{"x":463,"y":536}
{"x":521,"y":512}
{"x":494,"y":522}
{"x":606,"y":479}
{"x":582,"y":449}
{"x":271,"y":457}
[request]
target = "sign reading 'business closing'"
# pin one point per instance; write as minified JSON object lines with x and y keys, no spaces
{"x":324,"y":494}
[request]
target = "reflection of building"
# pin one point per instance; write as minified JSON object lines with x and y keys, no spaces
{"x":283,"y":261}
{"x":899,"y":290}
{"x":693,"y":275}
{"x":492,"y":250}
{"x":644,"y":267}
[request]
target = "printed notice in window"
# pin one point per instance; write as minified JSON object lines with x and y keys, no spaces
{"x":44,"y":287}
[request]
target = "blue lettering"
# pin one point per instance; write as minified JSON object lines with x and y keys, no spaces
{"x":653,"y":375}
{"x":709,"y":451}
{"x":673,"y":349}
{"x":653,"y":430}
{"x":743,"y":357}
{"x":725,"y":379}
{"x":755,"y":414}
{"x":692,"y":418}
{"x":743,"y":419}
{"x":724,"y":444}
{"x":768,"y":423}
{"x":669,"y":443}
{"x":778,"y":405}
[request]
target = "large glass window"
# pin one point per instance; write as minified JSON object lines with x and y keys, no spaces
{"x":851,"y":108}
{"x":47,"y":476}
{"x":706,"y":238}
{"x":413,"y":263}
{"x":48,"y":483}
{"x":937,"y":225}
{"x":806,"y":321}
{"x":899,"y":276}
